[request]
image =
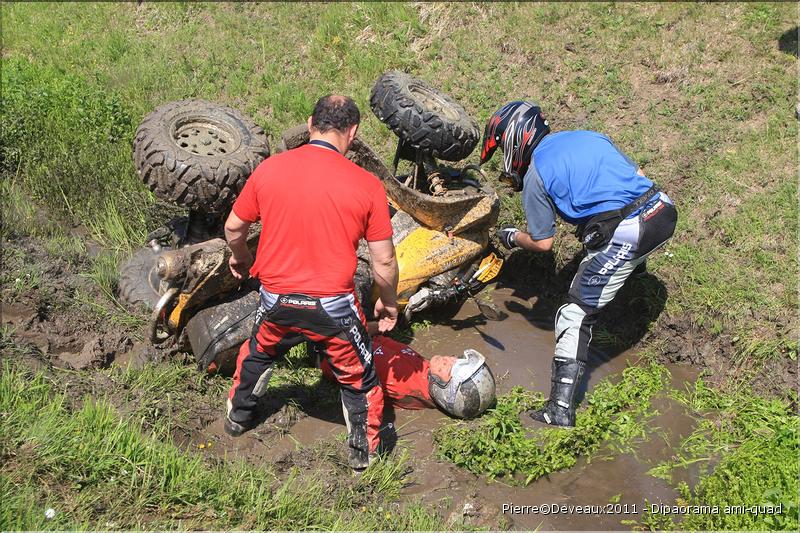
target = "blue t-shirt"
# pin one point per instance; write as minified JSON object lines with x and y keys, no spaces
{"x":577,"y":174}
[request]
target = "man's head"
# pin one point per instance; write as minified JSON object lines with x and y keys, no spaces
{"x":517,"y":128}
{"x":461,"y":386}
{"x":335,"y":119}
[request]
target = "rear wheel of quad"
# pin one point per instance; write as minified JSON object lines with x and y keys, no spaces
{"x":197,"y":154}
{"x":424,"y":118}
{"x":138,"y":281}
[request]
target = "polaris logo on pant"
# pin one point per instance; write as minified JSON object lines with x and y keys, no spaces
{"x":297,"y":303}
{"x":359,"y":343}
{"x":621,"y":255}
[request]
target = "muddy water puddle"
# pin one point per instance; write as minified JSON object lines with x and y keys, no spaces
{"x":618,"y":486}
{"x":519,"y":352}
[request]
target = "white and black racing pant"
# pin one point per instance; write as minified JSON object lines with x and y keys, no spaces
{"x":602,"y":273}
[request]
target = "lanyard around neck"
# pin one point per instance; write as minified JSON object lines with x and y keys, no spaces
{"x":324,"y":144}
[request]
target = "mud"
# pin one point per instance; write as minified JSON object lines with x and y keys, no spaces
{"x":520,"y":353}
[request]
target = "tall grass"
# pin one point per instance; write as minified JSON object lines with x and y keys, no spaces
{"x":98,"y":470}
{"x":65,"y":144}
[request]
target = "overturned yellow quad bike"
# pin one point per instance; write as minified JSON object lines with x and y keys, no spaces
{"x":198,"y":155}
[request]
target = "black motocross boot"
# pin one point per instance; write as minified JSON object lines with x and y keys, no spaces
{"x":232,"y":427}
{"x":560,"y":407}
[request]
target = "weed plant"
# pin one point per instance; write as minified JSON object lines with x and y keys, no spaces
{"x":498,"y":445}
{"x":67,"y":144}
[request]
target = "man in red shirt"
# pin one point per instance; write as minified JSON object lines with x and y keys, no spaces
{"x":314,"y":206}
{"x":410,"y":381}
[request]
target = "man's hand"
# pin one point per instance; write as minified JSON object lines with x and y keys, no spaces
{"x":240,"y":268}
{"x":508,"y":237}
{"x":385,"y":274}
{"x":386,"y":315}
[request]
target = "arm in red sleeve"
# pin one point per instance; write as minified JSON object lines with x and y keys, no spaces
{"x":246,"y":205}
{"x":379,"y":224}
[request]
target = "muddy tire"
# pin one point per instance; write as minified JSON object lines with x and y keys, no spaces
{"x":197,"y":154}
{"x":363,"y":280}
{"x":138,"y":282}
{"x":423,"y":117}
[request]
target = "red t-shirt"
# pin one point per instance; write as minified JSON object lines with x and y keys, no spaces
{"x":403,"y":373}
{"x":314,"y":205}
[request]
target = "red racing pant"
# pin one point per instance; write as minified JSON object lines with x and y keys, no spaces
{"x":338,"y":325}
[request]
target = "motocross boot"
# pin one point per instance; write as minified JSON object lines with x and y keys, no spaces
{"x":560,"y":407}
{"x":232,"y":427}
{"x":360,"y":460}
{"x":235,"y":429}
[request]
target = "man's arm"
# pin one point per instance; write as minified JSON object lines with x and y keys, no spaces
{"x":385,"y":273}
{"x":540,"y":214}
{"x":525,"y":241}
{"x":512,"y":237}
{"x":241,"y":258}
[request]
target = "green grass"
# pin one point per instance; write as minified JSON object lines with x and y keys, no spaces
{"x":66,"y":145}
{"x":754,"y":443}
{"x":497,"y":444}
{"x":725,"y":421}
{"x":97,"y":470}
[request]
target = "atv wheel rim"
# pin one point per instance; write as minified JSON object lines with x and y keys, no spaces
{"x":205,"y":138}
{"x":433,"y":102}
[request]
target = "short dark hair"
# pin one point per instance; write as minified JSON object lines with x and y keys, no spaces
{"x":335,"y":112}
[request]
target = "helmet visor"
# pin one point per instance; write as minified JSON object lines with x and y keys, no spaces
{"x":489,"y":146}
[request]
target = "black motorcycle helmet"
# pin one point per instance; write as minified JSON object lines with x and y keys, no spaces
{"x":519,"y":126}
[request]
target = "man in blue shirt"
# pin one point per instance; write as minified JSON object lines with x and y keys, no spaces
{"x":622,"y":218}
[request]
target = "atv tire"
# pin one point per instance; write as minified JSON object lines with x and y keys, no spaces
{"x":197,"y":154}
{"x":424,"y":118}
{"x":138,"y":281}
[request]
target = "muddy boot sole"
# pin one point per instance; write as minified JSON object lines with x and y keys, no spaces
{"x":358,"y":467}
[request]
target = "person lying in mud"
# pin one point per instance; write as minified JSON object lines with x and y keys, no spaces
{"x":462,"y":387}
{"x":622,"y":217}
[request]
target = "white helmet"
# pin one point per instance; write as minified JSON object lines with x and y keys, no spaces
{"x":470,"y":390}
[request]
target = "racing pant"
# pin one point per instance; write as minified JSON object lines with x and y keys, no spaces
{"x":338,"y":325}
{"x":602,"y":273}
